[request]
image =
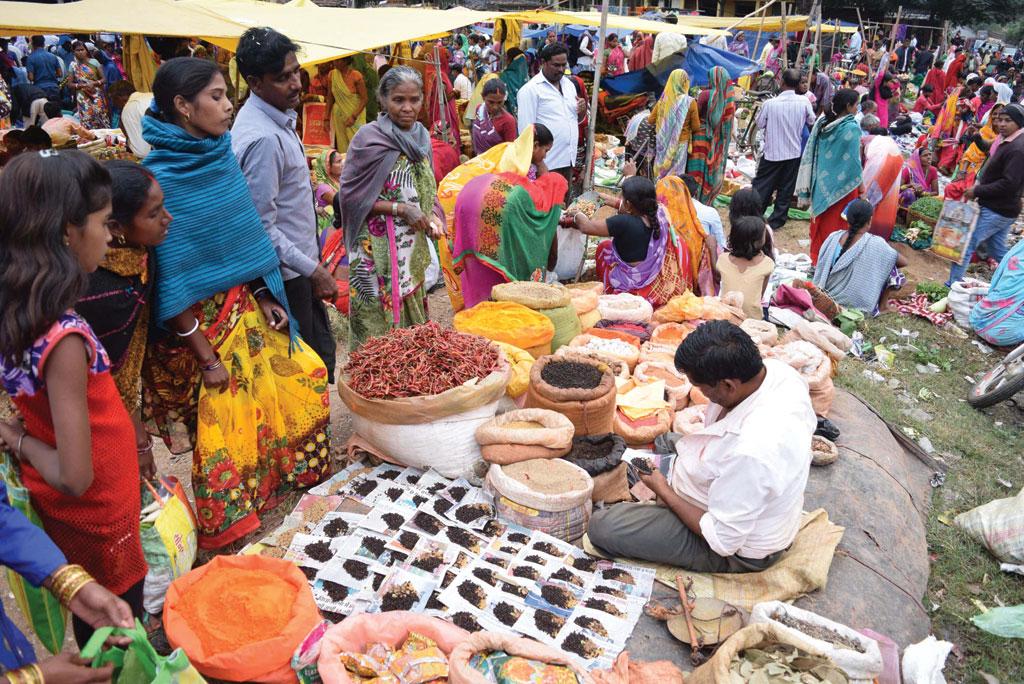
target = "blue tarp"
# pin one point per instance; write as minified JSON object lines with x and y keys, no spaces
{"x":697,"y":62}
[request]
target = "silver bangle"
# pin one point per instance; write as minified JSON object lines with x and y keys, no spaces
{"x":21,"y":440}
{"x":394,"y":208}
{"x":259,"y":291}
{"x":190,"y":332}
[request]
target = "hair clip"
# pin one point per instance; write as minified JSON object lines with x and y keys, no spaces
{"x":49,"y":153}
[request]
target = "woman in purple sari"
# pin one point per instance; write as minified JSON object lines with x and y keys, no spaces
{"x":920,"y":179}
{"x":492,"y":124}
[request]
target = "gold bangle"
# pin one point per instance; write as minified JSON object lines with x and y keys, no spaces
{"x":67,"y":582}
{"x":29,"y":674}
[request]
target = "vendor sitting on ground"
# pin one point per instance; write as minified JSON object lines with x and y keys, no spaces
{"x":62,"y":127}
{"x":736,"y":487}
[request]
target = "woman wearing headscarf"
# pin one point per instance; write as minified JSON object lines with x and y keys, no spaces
{"x":830,"y":169}
{"x":738,"y":45}
{"x":955,"y":68}
{"x":346,"y":102}
{"x":936,"y":78}
{"x":709,"y":151}
{"x":388,"y":197}
{"x":642,"y":52}
{"x":326,"y":182}
{"x":919,"y":178}
{"x":675,"y":122}
{"x":492,"y":125}
{"x":515,"y":76}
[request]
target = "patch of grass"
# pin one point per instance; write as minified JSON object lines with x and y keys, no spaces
{"x":339,"y":326}
{"x":979,"y":447}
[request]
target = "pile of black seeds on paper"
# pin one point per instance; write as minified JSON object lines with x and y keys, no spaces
{"x":564,"y":575}
{"x":393,"y":493}
{"x":497,"y":560}
{"x":493,"y":528}
{"x":408,"y":539}
{"x":400,"y":597}
{"x":433,"y":603}
{"x":336,"y":528}
{"x":377,"y":580}
{"x":442,"y":506}
{"x":389,"y":475}
{"x":526,"y":572}
{"x":429,"y":561}
{"x":336,"y":592}
{"x":427,"y":523}
{"x":470,"y":512}
{"x":535,"y":559}
{"x":486,"y":575}
{"x":319,"y":551}
{"x":357,"y":569}
{"x":418,"y":500}
{"x":618,"y":575}
{"x":463,"y":538}
{"x":603,"y":606}
{"x":508,"y":549}
{"x":466,"y":621}
{"x":375,"y":545}
{"x":580,"y":645}
{"x":398,"y":557}
{"x":518,"y":538}
{"x":506,"y":613}
{"x":547,"y":622}
{"x":365,"y":487}
{"x":457,"y":493}
{"x":333,"y":618}
{"x":393,"y":520}
{"x":585,"y":564}
{"x":310,"y":573}
{"x":548,"y":548}
{"x":473,"y":593}
{"x":594,"y":625}
{"x":435,"y":488}
{"x":514,"y":589}
{"x":571,"y":375}
{"x":557,"y":596}
{"x":611,"y":591}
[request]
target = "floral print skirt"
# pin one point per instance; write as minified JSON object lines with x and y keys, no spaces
{"x":266,"y":433}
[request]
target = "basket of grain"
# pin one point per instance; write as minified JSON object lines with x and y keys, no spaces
{"x":525,"y":434}
{"x":577,"y":386}
{"x":550,"y":495}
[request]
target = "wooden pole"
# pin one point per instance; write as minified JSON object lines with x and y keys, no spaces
{"x":441,"y":96}
{"x":760,"y":30}
{"x":832,"y":50}
{"x":803,"y":37}
{"x":784,"y":39}
{"x":817,"y":41}
{"x":588,"y":164}
{"x":895,"y":26}
{"x":739,"y":21}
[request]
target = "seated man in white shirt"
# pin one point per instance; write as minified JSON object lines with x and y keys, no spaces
{"x":735,"y":492}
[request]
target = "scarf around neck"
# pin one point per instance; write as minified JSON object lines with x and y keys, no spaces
{"x":623,"y":276}
{"x":217,"y":239}
{"x":830,"y":167}
{"x":371,"y":156}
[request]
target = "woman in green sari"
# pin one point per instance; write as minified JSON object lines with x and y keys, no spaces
{"x":709,"y":150}
{"x":515,"y":76}
{"x":347,"y":102}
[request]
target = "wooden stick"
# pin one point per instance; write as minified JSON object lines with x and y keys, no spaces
{"x":739,"y":21}
{"x":695,"y":643}
{"x":832,"y":50}
{"x":803,"y":38}
{"x":757,"y":40}
{"x":588,"y":172}
{"x":817,"y":41}
{"x":784,"y":39}
{"x":895,"y":26}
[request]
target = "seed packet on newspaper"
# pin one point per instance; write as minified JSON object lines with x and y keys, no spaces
{"x":431,"y":558}
{"x":386,"y":518}
{"x":553,"y":596}
{"x":310,"y":551}
{"x":337,"y":524}
{"x":404,"y":590}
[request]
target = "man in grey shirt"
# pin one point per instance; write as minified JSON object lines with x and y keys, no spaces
{"x":274,"y":163}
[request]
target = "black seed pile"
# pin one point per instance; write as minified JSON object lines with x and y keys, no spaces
{"x":564,"y":575}
{"x":571,"y":375}
{"x":310,"y":573}
{"x":358,"y":570}
{"x":466,"y":622}
{"x":398,"y":557}
{"x":548,"y":548}
{"x":393,"y":493}
{"x":493,"y":528}
{"x":399,"y":597}
{"x":377,"y":580}
{"x":464,"y":539}
{"x":336,"y":528}
{"x":514,"y":589}
{"x":557,"y":596}
{"x":603,"y":606}
{"x":433,"y":603}
{"x":436,"y":487}
{"x":589,"y":449}
{"x":418,"y":500}
{"x":427,"y":523}
{"x":518,"y":538}
{"x":320,"y":551}
{"x":585,"y":564}
{"x":457,"y":493}
{"x":408,"y":539}
{"x":393,"y":520}
{"x":506,"y":613}
{"x":448,"y":577}
{"x":471,"y":512}
{"x":487,"y":575}
{"x":429,"y":561}
{"x":335,"y":591}
{"x":473,"y":593}
{"x":618,"y":575}
{"x":389,"y":475}
{"x":536,"y":559}
{"x":375,"y":545}
{"x":365,"y":487}
{"x":581,"y":646}
{"x":412,"y":479}
{"x":497,"y":560}
{"x":611,"y":591}
{"x":507,"y":549}
{"x":526,"y":572}
{"x":442,"y":506}
{"x":592,"y":624}
{"x":333,"y":618}
{"x":462,"y":560}
{"x":549,"y":623}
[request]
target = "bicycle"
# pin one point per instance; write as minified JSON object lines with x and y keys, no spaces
{"x":1000,"y":383}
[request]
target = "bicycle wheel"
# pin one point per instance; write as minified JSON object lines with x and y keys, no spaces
{"x":1000,"y":383}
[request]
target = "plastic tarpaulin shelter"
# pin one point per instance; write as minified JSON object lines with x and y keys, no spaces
{"x":771,"y":24}
{"x":615,"y":21}
{"x":701,"y":58}
{"x":697,"y":63}
{"x":651,"y":79}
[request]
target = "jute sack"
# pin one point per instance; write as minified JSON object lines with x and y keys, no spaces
{"x":716,"y":669}
{"x":584,"y":299}
{"x":658,"y":353}
{"x":566,"y":322}
{"x":502,"y":442}
{"x":762,"y":332}
{"x":590,"y":410}
{"x":508,"y":322}
{"x":670,"y":334}
{"x":575,"y":484}
{"x":589,"y":319}
{"x":627,"y":350}
{"x":620,"y":369}
{"x":612,"y":486}
{"x":644,"y":430}
{"x":536,"y":296}
{"x":677,"y":385}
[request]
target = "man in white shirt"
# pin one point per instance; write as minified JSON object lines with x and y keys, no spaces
{"x":463,"y":85}
{"x":783,"y":120}
{"x":132,"y":106}
{"x":585,"y":62}
{"x":550,"y":98}
{"x":668,"y":43}
{"x":735,"y":492}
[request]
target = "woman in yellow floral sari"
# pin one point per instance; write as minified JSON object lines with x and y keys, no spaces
{"x":346,"y":101}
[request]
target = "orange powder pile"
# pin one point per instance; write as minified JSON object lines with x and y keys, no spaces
{"x":231,"y":608}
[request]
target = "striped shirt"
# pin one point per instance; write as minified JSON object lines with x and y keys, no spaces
{"x":782,"y":119}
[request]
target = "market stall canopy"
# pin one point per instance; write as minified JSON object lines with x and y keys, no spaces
{"x":697,"y":63}
{"x":149,"y":17}
{"x":771,"y":24}
{"x":616,"y":22}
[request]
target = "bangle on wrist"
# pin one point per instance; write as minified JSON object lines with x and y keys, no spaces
{"x":67,"y":582}
{"x":190,"y":332}
{"x":212,"y":365}
{"x":145,"y":449}
{"x":394,"y":208}
{"x":29,"y":674}
{"x":21,"y":440}
{"x":261,"y":292}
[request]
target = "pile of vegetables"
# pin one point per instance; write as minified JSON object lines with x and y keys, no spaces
{"x":918,"y":230}
{"x":934,"y":291}
{"x":927,"y":206}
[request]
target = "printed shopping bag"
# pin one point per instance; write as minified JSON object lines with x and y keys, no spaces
{"x":169,"y":541}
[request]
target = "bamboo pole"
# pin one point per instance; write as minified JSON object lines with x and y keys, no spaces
{"x":803,"y":38}
{"x":739,"y":21}
{"x":895,"y":26}
{"x":817,"y":42}
{"x":784,"y":39}
{"x":942,"y":45}
{"x":760,"y":29}
{"x":832,"y":50}
{"x":588,"y":164}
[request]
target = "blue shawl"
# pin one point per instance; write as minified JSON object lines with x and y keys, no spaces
{"x":216,"y":240}
{"x":830,"y":167}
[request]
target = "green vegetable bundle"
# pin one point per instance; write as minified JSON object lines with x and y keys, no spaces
{"x":934,"y":291}
{"x":928,"y":206}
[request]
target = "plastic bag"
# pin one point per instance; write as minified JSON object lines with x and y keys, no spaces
{"x":625,"y":307}
{"x":999,"y":525}
{"x":521,"y":361}
{"x":684,"y":307}
{"x":1005,"y":621}
{"x":963,"y":295}
{"x":169,"y":540}
{"x":304,"y":661}
{"x":43,"y":612}
{"x":923,"y":661}
{"x":139,"y":663}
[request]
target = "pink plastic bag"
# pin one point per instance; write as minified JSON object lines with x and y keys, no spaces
{"x":357,"y":633}
{"x":890,"y":657}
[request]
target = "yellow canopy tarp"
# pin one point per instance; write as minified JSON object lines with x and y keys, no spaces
{"x":618,"y":22}
{"x":771,"y":24}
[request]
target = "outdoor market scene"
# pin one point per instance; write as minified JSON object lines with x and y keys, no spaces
{"x":511,"y":343}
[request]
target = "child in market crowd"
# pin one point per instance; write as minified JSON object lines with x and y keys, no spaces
{"x":746,"y":268}
{"x":76,"y":447}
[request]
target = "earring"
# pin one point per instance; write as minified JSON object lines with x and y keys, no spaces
{"x":188,"y":117}
{"x":119,"y":240}
{"x":67,"y":243}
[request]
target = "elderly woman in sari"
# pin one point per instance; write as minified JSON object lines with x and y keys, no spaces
{"x":506,"y":222}
{"x":919,"y":178}
{"x":492,"y":125}
{"x":675,"y":122}
{"x":387,"y":200}
{"x":709,"y":151}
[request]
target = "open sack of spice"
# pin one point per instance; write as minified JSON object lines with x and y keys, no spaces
{"x":525,"y":434}
{"x":415,"y":388}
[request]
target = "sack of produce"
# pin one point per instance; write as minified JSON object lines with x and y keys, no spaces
{"x":550,"y":495}
{"x":169,"y":542}
{"x":620,"y":346}
{"x":625,"y":307}
{"x":240,"y":618}
{"x":584,"y":296}
{"x":536,"y":296}
{"x":999,"y":525}
{"x":684,"y":307}
{"x":670,"y":334}
{"x":762,"y":332}
{"x":641,"y":331}
{"x":857,"y":655}
{"x":612,"y":486}
{"x":963,"y":295}
{"x":643,"y":431}
{"x":524,"y":434}
{"x":357,"y":634}
{"x":508,"y":322}
{"x":595,"y":286}
{"x":825,"y":337}
{"x":579,"y":387}
{"x":690,"y":419}
{"x":489,"y":657}
{"x":415,"y":388}
{"x":823,"y":451}
{"x":657,"y":353}
{"x":751,"y":651}
{"x":590,"y":319}
{"x":677,"y":385}
{"x":619,"y":368}
{"x":566,"y":323}
{"x":642,"y":413}
{"x":520,"y":362}
{"x":717,"y":310}
{"x":601,"y":457}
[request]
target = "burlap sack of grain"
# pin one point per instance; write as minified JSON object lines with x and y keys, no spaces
{"x":612,"y":486}
{"x":549,"y":495}
{"x":536,"y":296}
{"x":677,"y":385}
{"x":625,"y":307}
{"x":503,"y":439}
{"x":670,"y":334}
{"x":620,"y":369}
{"x":821,"y":388}
{"x":716,"y":670}
{"x":590,"y":410}
{"x":630,"y":349}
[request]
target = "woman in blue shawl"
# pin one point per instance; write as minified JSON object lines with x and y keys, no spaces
{"x":226,"y":381}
